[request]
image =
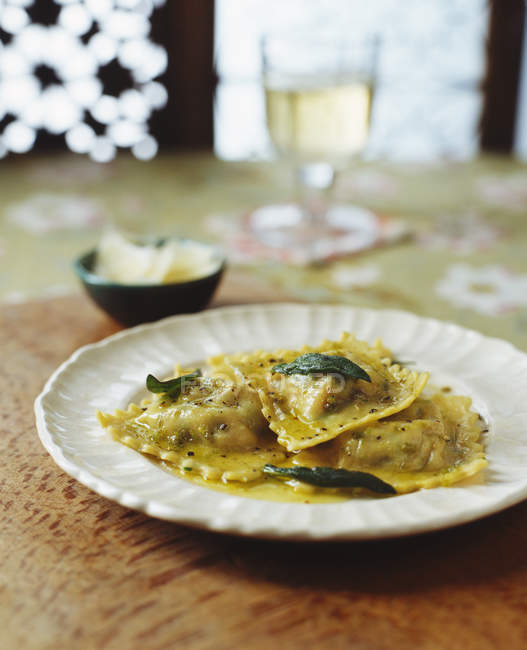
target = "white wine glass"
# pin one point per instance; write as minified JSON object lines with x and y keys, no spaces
{"x":318,"y":96}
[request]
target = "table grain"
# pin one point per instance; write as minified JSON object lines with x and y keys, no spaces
{"x":79,"y":571}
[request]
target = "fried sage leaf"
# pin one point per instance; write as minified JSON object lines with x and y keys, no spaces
{"x":172,"y":387}
{"x":314,"y":362}
{"x":330,"y":477}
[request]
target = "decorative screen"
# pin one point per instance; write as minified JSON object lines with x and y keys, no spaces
{"x":84,"y":70}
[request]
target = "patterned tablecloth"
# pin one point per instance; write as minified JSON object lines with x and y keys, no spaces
{"x":465,"y":259}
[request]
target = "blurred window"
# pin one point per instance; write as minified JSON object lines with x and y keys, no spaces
{"x":428,"y":99}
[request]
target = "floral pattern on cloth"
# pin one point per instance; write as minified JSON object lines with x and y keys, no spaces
{"x":347,"y":276}
{"x":53,"y":291}
{"x":243,"y":244}
{"x":171,"y":196}
{"x":366,"y":183}
{"x":490,"y":290}
{"x":43,"y":213}
{"x":461,"y":233}
{"x":71,"y":172}
{"x":508,"y":192}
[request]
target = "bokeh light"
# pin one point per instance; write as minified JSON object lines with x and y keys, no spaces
{"x":80,"y":138}
{"x":118,"y":32}
{"x":146,"y":148}
{"x":102,"y":149}
{"x":18,"y":137}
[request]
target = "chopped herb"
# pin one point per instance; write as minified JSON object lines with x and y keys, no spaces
{"x":330,"y":477}
{"x":187,"y":469}
{"x":172,"y":387}
{"x":314,"y":362}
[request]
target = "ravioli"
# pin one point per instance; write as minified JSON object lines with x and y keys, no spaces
{"x":215,"y":429}
{"x":260,"y":425}
{"x":307,"y":410}
{"x":434,"y":442}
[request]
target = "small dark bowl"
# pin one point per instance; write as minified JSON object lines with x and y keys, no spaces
{"x":132,"y":304}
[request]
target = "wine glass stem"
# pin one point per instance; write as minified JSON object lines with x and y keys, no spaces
{"x":314,"y":184}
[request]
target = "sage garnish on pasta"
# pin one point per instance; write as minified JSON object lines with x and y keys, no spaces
{"x":172,"y":387}
{"x":314,"y":362}
{"x":331,"y":478}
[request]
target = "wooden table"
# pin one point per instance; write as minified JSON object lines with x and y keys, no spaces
{"x":78,"y":571}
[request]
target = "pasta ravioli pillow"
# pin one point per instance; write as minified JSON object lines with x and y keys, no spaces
{"x":434,"y":442}
{"x":305,"y":410}
{"x":214,"y":429}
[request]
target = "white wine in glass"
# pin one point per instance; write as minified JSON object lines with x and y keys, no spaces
{"x":320,"y":122}
{"x":318,"y":95}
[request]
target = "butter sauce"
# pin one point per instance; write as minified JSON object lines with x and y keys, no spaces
{"x":216,"y":434}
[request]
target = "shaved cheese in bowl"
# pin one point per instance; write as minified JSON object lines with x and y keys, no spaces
{"x":169,"y":261}
{"x":139,"y":283}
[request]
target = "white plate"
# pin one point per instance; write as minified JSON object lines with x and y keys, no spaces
{"x":110,"y":373}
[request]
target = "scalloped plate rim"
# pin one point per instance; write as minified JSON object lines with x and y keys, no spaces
{"x":154,"y":508}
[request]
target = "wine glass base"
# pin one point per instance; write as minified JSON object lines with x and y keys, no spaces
{"x":345,"y":228}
